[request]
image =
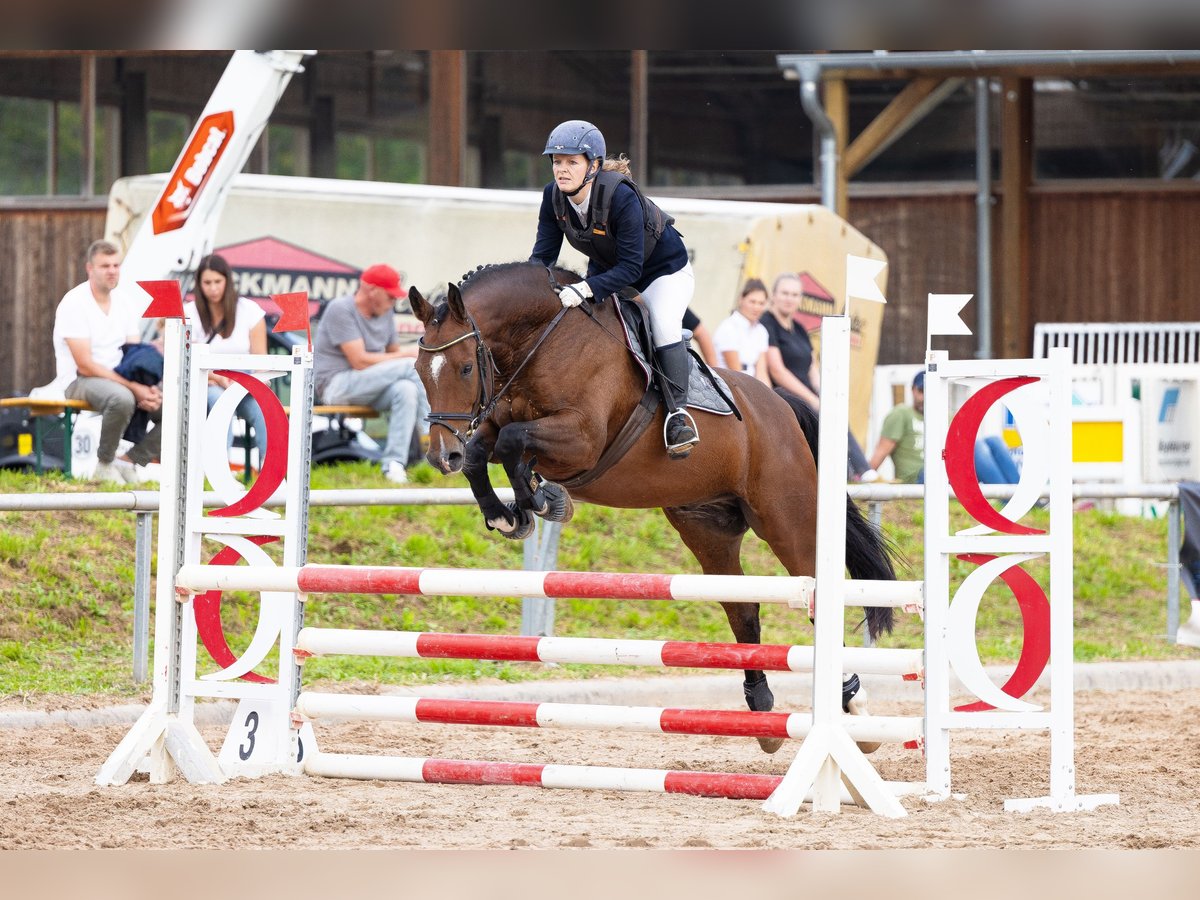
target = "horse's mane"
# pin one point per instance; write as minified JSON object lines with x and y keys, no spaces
{"x":481,"y":275}
{"x":506,"y":281}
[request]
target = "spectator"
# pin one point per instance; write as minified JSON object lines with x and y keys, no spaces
{"x":228,"y":324}
{"x":358,"y":360}
{"x":994,"y":463}
{"x":903,"y":437}
{"x":92,"y":323}
{"x":741,"y":340}
{"x":791,"y":363}
{"x":790,"y":360}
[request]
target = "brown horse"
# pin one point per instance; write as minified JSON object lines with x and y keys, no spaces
{"x":514,"y":378}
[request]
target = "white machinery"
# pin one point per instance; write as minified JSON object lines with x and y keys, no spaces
{"x":183,"y":225}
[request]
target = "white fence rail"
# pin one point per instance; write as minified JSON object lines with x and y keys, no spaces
{"x":1115,"y":343}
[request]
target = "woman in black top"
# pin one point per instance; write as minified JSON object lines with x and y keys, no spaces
{"x":790,"y":359}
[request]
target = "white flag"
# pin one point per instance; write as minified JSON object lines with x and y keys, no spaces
{"x":944,"y":315}
{"x":860,"y":278}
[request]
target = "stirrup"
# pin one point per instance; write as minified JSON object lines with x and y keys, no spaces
{"x":683,"y":448}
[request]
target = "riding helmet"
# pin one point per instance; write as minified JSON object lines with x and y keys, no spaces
{"x":576,"y":136}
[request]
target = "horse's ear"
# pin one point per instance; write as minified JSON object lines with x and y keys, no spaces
{"x":421,"y":307}
{"x":455,"y":301}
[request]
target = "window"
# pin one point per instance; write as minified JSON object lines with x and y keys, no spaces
{"x":24,"y":139}
{"x":400,"y":160}
{"x":287,"y":150}
{"x":1117,"y":128}
{"x":363,"y":158}
{"x":168,"y":133}
{"x":41,"y":151}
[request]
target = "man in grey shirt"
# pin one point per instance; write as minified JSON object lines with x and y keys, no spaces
{"x":357,"y":361}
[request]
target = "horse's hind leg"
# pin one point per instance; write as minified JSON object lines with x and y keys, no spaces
{"x":714,"y":535}
{"x":794,"y":544}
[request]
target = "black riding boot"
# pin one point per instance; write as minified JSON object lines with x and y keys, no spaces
{"x":679,"y":431}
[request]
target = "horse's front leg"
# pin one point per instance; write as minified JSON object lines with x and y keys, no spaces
{"x":513,"y":452}
{"x":551,"y":438}
{"x":476,"y":453}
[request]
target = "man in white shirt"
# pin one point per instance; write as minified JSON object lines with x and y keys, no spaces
{"x":92,"y":322}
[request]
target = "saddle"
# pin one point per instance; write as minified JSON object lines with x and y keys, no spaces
{"x":703,"y":394}
{"x":707,"y":391}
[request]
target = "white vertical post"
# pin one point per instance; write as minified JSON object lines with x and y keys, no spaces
{"x":164,"y":736}
{"x":1062,"y":796}
{"x":830,"y":609}
{"x":937,"y":578}
{"x":827,"y":754}
{"x":1062,"y":590}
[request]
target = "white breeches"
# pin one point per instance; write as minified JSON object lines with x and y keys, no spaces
{"x":667,"y":298}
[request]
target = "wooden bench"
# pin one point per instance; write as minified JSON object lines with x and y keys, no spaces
{"x":39,"y":408}
{"x":66,"y":410}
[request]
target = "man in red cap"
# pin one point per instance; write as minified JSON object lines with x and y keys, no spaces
{"x":358,"y":361}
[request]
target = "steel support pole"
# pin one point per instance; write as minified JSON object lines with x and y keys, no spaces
{"x":1174,"y":537}
{"x":144,"y":532}
{"x":983,"y":218}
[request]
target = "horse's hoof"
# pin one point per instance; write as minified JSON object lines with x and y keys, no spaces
{"x":856,"y":705}
{"x":523,"y":526}
{"x":558,"y":506}
{"x":760,"y":699}
{"x":770,"y":745}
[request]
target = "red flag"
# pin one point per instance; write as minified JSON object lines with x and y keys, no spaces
{"x":293,"y":313}
{"x":166,"y":300}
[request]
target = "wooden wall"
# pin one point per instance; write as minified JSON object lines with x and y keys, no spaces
{"x":43,"y":253}
{"x":1122,"y":254}
{"x":1113,"y":255}
{"x":930,"y":245}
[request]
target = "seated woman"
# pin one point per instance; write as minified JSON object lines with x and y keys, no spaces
{"x":229,"y":324}
{"x":741,"y":340}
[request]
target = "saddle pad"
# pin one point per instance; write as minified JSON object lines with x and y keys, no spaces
{"x":702,"y":395}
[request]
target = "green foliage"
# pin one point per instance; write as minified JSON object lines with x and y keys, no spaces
{"x":66,"y":600}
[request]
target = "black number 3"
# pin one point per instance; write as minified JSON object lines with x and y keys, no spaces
{"x":246,"y":750}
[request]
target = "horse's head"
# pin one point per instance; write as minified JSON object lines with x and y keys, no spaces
{"x":456,"y":369}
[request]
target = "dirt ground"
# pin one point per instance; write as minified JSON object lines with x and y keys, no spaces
{"x":1140,"y":744}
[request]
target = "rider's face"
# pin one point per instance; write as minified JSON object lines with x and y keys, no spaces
{"x":569,"y":170}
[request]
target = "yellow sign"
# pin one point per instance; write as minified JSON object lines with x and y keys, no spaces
{"x":1097,"y":442}
{"x":24,"y":444}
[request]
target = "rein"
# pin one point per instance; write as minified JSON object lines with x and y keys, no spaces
{"x":486,"y":402}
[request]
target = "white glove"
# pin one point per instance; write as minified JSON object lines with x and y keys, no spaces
{"x":869,"y":476}
{"x":574,"y":294}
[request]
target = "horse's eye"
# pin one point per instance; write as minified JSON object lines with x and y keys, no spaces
{"x":466,"y":370}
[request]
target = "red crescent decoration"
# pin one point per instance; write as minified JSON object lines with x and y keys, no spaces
{"x":1035,"y":623}
{"x":207,"y":607}
{"x":960,"y":456}
{"x":274,"y":465}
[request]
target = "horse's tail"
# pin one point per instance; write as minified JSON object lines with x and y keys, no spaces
{"x":868,"y":554}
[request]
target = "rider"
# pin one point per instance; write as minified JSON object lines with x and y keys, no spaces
{"x":629,"y":242}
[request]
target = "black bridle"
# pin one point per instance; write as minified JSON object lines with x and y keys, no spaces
{"x":486,"y":366}
{"x":485,"y":363}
